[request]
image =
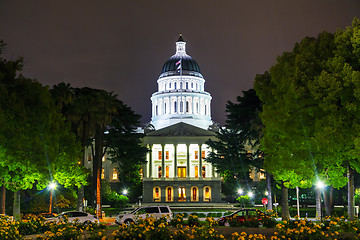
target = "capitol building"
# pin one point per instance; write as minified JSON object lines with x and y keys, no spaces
{"x":176,"y":170}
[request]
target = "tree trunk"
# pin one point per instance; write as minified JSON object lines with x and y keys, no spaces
{"x":285,"y":214}
{"x":331,"y":199}
{"x":97,"y":168}
{"x":2,"y":199}
{"x":327,"y":203}
{"x":268,"y":188}
{"x":351,"y":192}
{"x":80,"y":199}
{"x":16,"y":207}
{"x":318,"y":203}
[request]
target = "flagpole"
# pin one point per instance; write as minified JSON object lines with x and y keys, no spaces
{"x":182,"y":104}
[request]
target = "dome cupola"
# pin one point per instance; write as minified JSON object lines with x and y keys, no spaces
{"x":188,"y":65}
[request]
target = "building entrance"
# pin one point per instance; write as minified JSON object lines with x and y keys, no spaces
{"x":182,"y":194}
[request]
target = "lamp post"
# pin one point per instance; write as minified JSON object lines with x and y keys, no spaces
{"x":320,"y":185}
{"x":51,"y":187}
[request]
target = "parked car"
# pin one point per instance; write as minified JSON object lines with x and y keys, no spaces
{"x":240,"y":217}
{"x":81,"y":217}
{"x":143,"y":212}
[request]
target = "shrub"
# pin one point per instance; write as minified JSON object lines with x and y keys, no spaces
{"x":193,"y":220}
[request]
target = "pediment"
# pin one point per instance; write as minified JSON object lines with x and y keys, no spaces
{"x":181,"y":129}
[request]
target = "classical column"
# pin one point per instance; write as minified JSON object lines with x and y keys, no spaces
{"x":162,"y":161}
{"x":200,"y":162}
{"x":150,"y":160}
{"x":175,"y":161}
{"x":193,"y":105}
{"x":187,"y":161}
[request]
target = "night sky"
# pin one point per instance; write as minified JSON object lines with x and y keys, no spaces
{"x":121,"y":46}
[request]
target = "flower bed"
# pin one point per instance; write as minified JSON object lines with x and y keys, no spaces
{"x":178,"y":229}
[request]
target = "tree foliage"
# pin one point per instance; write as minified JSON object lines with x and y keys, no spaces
{"x":310,"y":110}
{"x":36,"y":145}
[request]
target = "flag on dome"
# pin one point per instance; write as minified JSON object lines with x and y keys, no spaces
{"x":178,"y":63}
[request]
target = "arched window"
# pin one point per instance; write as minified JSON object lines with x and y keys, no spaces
{"x":169,"y":194}
{"x":197,"y":86}
{"x":192,"y":85}
{"x":205,"y":109}
{"x":182,"y":194}
{"x":194,"y":194}
{"x":175,"y":85}
{"x":197,"y":107}
{"x":187,"y":85}
{"x":181,"y":85}
{"x":156,"y":110}
{"x":156,"y":194}
{"x":181,"y":107}
{"x":175,"y":107}
{"x":187,"y":106}
{"x":164,"y":108}
{"x":207,"y":194}
{"x":203,"y":171}
{"x":169,"y":85}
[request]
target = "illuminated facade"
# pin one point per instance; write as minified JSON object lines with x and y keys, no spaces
{"x":181,"y":124}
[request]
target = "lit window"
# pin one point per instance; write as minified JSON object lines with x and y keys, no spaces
{"x":103,"y":158}
{"x":115,"y":174}
{"x":167,"y":171}
{"x":207,"y":194}
{"x":167,"y":154}
{"x":196,"y":171}
{"x":89,"y":157}
{"x":169,"y":194}
{"x":203,"y":154}
{"x":159,"y":155}
{"x":196,"y":155}
{"x":181,"y":172}
{"x":203,"y":171}
{"x":159,"y":172}
{"x":102,"y":173}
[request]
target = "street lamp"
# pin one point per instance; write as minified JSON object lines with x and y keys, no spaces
{"x":240,"y":191}
{"x":320,"y":185}
{"x":250,"y":194}
{"x":124,"y":192}
{"x":51,"y":187}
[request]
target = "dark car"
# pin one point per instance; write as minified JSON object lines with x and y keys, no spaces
{"x":240,"y":217}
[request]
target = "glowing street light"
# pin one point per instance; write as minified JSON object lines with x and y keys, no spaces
{"x":240,"y":191}
{"x":320,"y":185}
{"x":51,"y":187}
{"x":250,"y":194}
{"x":124,"y":192}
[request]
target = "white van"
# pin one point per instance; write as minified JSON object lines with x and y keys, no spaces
{"x":143,"y":212}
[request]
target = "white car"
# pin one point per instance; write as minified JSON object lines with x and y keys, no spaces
{"x":143,"y":212}
{"x":81,"y":217}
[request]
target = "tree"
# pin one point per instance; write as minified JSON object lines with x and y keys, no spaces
{"x":236,"y":149}
{"x":125,"y":148}
{"x":36,"y":144}
{"x":309,"y":111}
{"x":105,"y":124}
